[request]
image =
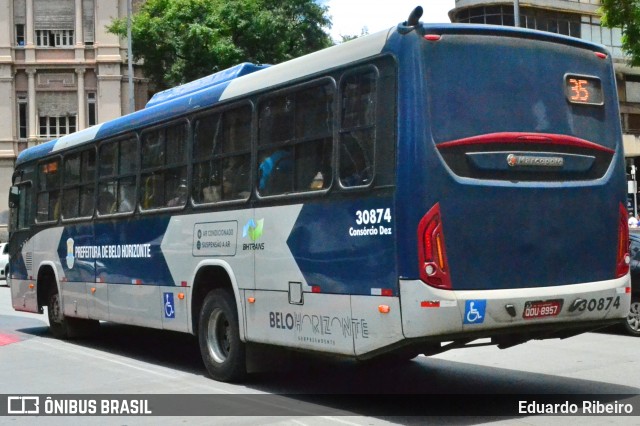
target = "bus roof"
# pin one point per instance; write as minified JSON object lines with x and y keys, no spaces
{"x":247,"y":78}
{"x":204,"y":83}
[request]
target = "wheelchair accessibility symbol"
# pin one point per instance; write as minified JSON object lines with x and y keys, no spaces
{"x":474,"y":311}
{"x":169,"y":311}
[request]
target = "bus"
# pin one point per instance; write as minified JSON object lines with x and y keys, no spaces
{"x":420,"y":189}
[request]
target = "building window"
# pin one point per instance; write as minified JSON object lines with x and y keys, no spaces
{"x":537,"y":19}
{"x":53,"y":127}
{"x":42,"y":37}
{"x":632,"y":91}
{"x":22,"y":116}
{"x":20,"y":34}
{"x":610,"y":37}
{"x":92,"y":115}
{"x":54,"y":38}
{"x":633,"y":124}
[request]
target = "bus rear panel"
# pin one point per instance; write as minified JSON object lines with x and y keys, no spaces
{"x":517,"y":217}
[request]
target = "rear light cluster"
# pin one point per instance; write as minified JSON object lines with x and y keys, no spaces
{"x":623,"y":259}
{"x":433,"y":265}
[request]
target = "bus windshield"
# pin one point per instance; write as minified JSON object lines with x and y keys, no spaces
{"x":488,"y":84}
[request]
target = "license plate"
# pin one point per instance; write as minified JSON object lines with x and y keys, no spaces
{"x":542,"y":309}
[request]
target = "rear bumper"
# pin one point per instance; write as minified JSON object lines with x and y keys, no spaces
{"x":430,"y":312}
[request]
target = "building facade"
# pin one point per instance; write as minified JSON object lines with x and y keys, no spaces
{"x":61,"y":71}
{"x":576,"y":18}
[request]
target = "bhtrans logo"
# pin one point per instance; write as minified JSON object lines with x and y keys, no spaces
{"x":253,"y":230}
{"x":516,"y":160}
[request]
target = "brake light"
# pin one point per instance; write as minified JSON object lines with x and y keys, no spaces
{"x":432,"y":255}
{"x":623,"y":259}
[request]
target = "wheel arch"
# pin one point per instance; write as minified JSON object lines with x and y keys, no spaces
{"x":47,"y":279}
{"x":209,"y":276}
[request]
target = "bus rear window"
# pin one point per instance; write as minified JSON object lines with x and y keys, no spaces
{"x":481,"y":85}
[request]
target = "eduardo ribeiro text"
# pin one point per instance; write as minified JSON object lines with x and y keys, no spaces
{"x":588,"y":407}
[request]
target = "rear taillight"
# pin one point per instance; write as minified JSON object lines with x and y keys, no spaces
{"x":433,"y":265}
{"x":623,"y":259}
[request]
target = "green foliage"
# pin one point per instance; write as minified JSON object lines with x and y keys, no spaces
{"x":363,"y":32}
{"x":626,"y":15}
{"x":182,"y":40}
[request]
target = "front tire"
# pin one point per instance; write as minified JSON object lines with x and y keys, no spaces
{"x":63,"y":327}
{"x":223,"y":352}
{"x":632,"y":323}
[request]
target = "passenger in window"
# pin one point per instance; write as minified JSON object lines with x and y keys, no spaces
{"x":180,"y":196}
{"x":317,"y":182}
{"x":151,"y":192}
{"x":211,"y":193}
{"x":106,"y":202}
{"x":126,"y":199}
{"x":86,"y":202}
{"x":235,"y":178}
{"x":355,"y":169}
{"x":275,"y":173}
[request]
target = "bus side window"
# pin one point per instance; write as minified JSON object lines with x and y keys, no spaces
{"x":206,"y":182}
{"x":106,"y":199}
{"x":222,"y":153}
{"x":164,"y":175}
{"x":276,"y":120}
{"x":118,"y":166}
{"x":235,"y":177}
{"x":152,"y":192}
{"x":20,"y":212}
{"x":48,"y":203}
{"x":275,"y":172}
{"x":296,"y":156}
{"x":357,"y":128}
{"x":314,"y":127}
{"x":79,"y":181}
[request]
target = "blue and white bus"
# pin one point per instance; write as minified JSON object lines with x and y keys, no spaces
{"x":424,"y":188}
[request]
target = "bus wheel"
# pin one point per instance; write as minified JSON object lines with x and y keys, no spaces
{"x":632,"y":324}
{"x":63,"y":327}
{"x":222,"y":350}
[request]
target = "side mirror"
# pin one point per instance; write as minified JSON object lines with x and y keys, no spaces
{"x":14,"y":197}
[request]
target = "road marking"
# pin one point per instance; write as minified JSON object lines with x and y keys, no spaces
{"x":336,"y":419}
{"x":59,"y":345}
{"x":7,"y":339}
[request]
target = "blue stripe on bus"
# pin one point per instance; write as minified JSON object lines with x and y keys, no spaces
{"x":116,"y":252}
{"x":330,"y":255}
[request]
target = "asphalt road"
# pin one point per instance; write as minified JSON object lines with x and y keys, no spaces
{"x":601,"y":367}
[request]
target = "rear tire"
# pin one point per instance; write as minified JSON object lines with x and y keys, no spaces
{"x":223,"y":353}
{"x":632,"y":323}
{"x":63,"y":327}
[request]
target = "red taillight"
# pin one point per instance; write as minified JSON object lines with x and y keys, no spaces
{"x":433,"y":265}
{"x":623,"y":259}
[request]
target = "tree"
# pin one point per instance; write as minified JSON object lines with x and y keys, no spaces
{"x":182,"y":40}
{"x":363,"y":32}
{"x":626,"y":15}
